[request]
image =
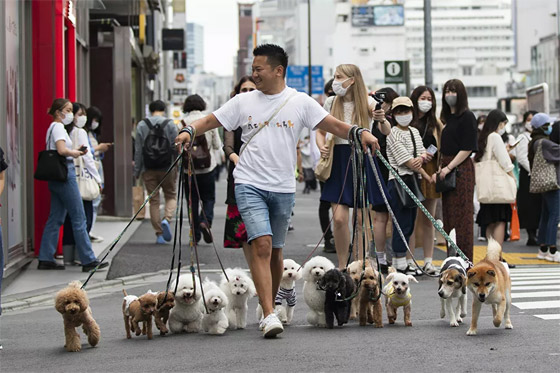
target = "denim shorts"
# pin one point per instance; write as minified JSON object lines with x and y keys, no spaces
{"x":265,"y":213}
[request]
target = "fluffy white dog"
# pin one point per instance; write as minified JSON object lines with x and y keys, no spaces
{"x":187,"y":314}
{"x":313,"y":271}
{"x":287,"y":291}
{"x":238,"y":290}
{"x":215,"y":321}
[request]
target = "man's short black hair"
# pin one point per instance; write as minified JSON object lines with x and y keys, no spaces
{"x":275,"y":55}
{"x":157,"y":105}
{"x":194,"y":102}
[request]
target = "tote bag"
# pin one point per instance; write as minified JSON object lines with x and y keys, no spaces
{"x":493,"y":184}
{"x":51,"y":166}
{"x":324,"y":166}
{"x":89,"y":189}
{"x":543,"y":174}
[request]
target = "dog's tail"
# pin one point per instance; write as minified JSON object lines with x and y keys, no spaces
{"x":124,"y":292}
{"x":494,"y":249}
{"x":75,"y":284}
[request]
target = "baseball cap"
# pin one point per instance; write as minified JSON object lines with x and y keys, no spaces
{"x":540,"y":119}
{"x":402,"y":101}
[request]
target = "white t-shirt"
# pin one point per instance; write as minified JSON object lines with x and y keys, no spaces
{"x":58,"y":133}
{"x":269,"y":160}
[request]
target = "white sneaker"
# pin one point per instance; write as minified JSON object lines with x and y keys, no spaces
{"x":542,"y":255}
{"x":271,"y":326}
{"x":429,"y":269}
{"x":553,"y":257}
{"x":95,"y":239}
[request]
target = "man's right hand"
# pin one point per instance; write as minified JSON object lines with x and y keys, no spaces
{"x":183,"y":138}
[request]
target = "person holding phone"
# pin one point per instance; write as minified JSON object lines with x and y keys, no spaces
{"x":65,"y":195}
{"x":429,"y":126}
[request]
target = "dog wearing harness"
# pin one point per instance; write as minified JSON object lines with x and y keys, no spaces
{"x":397,"y":294}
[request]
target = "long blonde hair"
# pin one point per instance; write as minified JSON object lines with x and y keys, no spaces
{"x":360,"y":113}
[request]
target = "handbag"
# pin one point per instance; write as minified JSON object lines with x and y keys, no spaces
{"x":51,"y":166}
{"x":514,"y":225}
{"x":324,"y":166}
{"x":543,"y":173}
{"x":448,"y":184}
{"x":88,"y":187}
{"x":411,"y":182}
{"x":493,"y":184}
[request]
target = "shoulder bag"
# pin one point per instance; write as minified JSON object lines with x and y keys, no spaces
{"x":493,"y":184}
{"x":51,"y":166}
{"x":411,"y":182}
{"x":89,"y":189}
{"x":324,"y":166}
{"x":543,"y":173}
{"x":448,"y":184}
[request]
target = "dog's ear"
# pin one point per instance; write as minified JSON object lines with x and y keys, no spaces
{"x":458,"y":278}
{"x":299,"y":274}
{"x":412,"y":278}
{"x":491,"y":273}
{"x":322,"y":282}
{"x":389,"y":278}
{"x":342,"y":284}
{"x":471,"y":273}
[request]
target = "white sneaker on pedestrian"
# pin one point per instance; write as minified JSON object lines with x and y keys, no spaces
{"x":95,"y":239}
{"x":542,"y":254}
{"x":271,"y":326}
{"x":429,"y":269}
{"x":553,"y":257}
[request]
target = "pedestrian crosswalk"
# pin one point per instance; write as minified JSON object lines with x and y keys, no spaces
{"x":536,"y":290}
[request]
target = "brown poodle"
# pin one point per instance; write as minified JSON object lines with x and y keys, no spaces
{"x":370,"y":308}
{"x":139,"y":309}
{"x":73,"y":303}
{"x":162,"y":310}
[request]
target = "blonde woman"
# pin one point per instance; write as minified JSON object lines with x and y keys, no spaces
{"x":351,"y":105}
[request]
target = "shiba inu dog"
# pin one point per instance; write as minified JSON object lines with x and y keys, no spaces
{"x":489,"y":282}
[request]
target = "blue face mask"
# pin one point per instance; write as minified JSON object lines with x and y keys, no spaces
{"x":548,"y":130}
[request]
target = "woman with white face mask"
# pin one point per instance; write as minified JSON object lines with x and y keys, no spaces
{"x":458,"y":142}
{"x":79,"y":138}
{"x":429,"y":127}
{"x":351,"y":105}
{"x":93,"y":128}
{"x":494,"y":216}
{"x":65,"y":195}
{"x":406,"y":154}
{"x":528,"y":204}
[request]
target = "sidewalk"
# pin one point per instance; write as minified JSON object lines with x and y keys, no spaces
{"x":31,"y":281}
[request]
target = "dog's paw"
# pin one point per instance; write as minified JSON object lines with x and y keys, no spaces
{"x":73,"y":347}
{"x":408,"y":323}
{"x":460,"y":320}
{"x":378,"y":326}
{"x":509,"y":325}
{"x":138,"y":332}
{"x":454,"y":323}
{"x":497,"y":321}
{"x":463,"y":314}
{"x":471,"y":331}
{"x":442,"y":313}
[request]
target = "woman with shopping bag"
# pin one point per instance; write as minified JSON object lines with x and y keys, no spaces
{"x":496,"y":188}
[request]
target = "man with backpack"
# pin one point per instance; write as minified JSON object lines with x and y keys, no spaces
{"x":154,"y":153}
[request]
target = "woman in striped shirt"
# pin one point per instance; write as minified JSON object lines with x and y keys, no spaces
{"x":406,"y":154}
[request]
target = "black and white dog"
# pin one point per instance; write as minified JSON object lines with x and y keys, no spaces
{"x":453,"y":284}
{"x":338,"y":287}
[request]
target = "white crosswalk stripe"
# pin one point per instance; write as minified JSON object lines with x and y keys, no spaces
{"x":537,"y":291}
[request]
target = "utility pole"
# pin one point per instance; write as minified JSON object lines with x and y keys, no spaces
{"x":309,"y":47}
{"x":428,"y":73}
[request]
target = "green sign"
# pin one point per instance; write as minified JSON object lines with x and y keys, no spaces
{"x":394,"y":72}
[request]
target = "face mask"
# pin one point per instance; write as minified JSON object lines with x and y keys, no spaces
{"x":424,"y":106}
{"x":548,"y":131}
{"x":528,"y":126}
{"x":480,"y":127}
{"x":68,"y":118}
{"x":338,"y":89}
{"x":502,"y":131}
{"x":403,"y":120}
{"x":94,"y":125}
{"x":451,"y":100}
{"x":81,"y":121}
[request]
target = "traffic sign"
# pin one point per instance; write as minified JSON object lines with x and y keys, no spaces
{"x":297,"y":78}
{"x":394,"y":72}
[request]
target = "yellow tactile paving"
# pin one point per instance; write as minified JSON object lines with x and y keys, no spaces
{"x":513,"y":258}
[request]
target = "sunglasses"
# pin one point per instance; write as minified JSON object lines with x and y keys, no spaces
{"x":243,"y":90}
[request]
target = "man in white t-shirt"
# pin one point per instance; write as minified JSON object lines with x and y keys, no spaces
{"x":272,"y":118}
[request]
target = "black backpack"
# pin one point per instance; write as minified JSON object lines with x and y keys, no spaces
{"x":157,"y":151}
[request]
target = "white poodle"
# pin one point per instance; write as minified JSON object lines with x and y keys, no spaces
{"x":313,"y":271}
{"x":238,"y":290}
{"x":187,"y":313}
{"x":287,"y":291}
{"x":215,"y":321}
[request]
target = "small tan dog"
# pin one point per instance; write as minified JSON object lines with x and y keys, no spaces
{"x":162,"y":310}
{"x":139,"y":309}
{"x":355,"y":271}
{"x":489,"y":282}
{"x":73,"y":303}
{"x":369,"y":298}
{"x":397,"y":294}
